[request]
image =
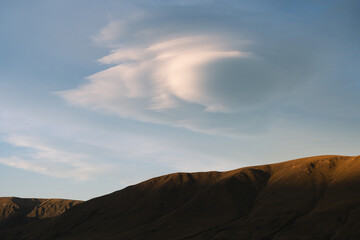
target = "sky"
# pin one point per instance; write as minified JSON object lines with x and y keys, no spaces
{"x":99,"y":95}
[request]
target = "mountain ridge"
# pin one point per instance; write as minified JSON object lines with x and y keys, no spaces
{"x":297,"y":199}
{"x":15,"y":211}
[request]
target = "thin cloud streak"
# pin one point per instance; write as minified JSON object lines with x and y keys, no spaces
{"x":48,"y":160}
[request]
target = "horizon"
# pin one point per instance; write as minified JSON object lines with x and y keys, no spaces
{"x":260,"y":165}
{"x":98,"y":96}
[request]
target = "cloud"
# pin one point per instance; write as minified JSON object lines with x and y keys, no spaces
{"x":48,"y":160}
{"x":162,"y":76}
{"x":110,"y":33}
{"x":178,"y":82}
{"x":11,"y":121}
{"x":219,"y":72}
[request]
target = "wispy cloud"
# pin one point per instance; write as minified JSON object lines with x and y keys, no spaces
{"x":110,"y":33}
{"x":43,"y":158}
{"x":11,"y":120}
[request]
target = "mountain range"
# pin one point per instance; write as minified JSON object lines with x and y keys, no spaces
{"x":309,"y":198}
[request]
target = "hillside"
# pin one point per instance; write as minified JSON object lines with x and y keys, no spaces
{"x":309,"y":198}
{"x":19,"y":211}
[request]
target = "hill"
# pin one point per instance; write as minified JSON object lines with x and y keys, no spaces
{"x":19,"y":211}
{"x":309,"y":198}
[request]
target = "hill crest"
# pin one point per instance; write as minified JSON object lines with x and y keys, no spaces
{"x":298,"y":199}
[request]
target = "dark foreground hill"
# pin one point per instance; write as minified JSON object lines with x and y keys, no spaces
{"x":310,"y":198}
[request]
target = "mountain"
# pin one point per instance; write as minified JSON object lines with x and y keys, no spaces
{"x":19,"y":211}
{"x":308,"y":198}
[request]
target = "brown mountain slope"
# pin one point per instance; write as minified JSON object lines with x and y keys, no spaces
{"x":309,"y":198}
{"x":18,"y":211}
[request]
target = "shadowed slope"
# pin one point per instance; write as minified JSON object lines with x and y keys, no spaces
{"x":300,"y":199}
{"x":18,"y":211}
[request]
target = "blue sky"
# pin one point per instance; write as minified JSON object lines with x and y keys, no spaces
{"x":97,"y":95}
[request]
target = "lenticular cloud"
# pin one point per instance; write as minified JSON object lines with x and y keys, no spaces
{"x":150,"y":83}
